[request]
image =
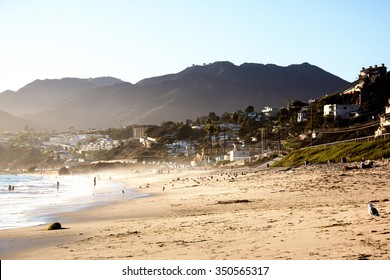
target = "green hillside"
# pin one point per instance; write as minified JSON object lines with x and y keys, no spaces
{"x":352,"y":151}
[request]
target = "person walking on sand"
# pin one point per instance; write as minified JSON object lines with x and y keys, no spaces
{"x":58,"y":185}
{"x":94,"y":181}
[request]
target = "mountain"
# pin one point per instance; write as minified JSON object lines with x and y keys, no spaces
{"x":104,"y":81}
{"x":217,"y":87}
{"x":12,"y":123}
{"x":41,"y":94}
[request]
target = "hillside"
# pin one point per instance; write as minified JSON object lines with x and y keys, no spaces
{"x":374,"y":150}
{"x":218,"y":87}
{"x":27,"y":157}
{"x":40,"y":95}
{"x":11,"y":123}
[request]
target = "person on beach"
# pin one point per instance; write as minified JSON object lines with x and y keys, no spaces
{"x":365,"y":164}
{"x":362,"y":163}
{"x":58,"y":185}
{"x":94,"y":181}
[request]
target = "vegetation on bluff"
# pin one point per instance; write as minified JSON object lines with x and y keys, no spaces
{"x":352,"y":152}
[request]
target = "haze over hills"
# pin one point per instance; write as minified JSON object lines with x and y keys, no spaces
{"x":39,"y":95}
{"x":218,"y":87}
{"x":12,"y":123}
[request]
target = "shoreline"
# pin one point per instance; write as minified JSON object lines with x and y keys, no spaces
{"x":309,"y":212}
{"x":67,"y":198}
{"x":84,"y":213}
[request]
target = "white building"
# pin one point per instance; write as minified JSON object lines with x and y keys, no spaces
{"x":342,"y":111}
{"x":239,"y":153}
{"x":303,"y":115}
{"x":139,"y":131}
{"x":179,"y":147}
{"x":102,"y":143}
{"x":384,"y":121}
{"x":270,"y":112}
{"x":148,"y":142}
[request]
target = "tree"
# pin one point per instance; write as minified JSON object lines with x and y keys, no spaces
{"x":226,"y":117}
{"x":249,"y":127}
{"x":283,"y":116}
{"x":213,"y":117}
{"x":211,"y":129}
{"x":63,"y":171}
{"x":249,"y":109}
{"x":167,"y":125}
{"x":217,"y":132}
{"x":235,"y":117}
{"x":154,"y":131}
{"x":184,"y":132}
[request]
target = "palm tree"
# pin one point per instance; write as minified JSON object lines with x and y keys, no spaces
{"x":209,"y":127}
{"x":217,"y":131}
{"x":235,"y":117}
{"x":212,"y":130}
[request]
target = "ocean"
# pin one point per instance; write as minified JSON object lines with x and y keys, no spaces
{"x":35,"y":199}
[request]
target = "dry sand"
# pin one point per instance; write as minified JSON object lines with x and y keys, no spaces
{"x":310,"y":212}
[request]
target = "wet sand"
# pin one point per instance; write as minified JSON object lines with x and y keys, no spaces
{"x":306,"y":213}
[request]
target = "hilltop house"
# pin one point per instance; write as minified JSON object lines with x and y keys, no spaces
{"x":139,"y":131}
{"x":366,"y":74}
{"x":270,"y":112}
{"x":372,"y":73}
{"x":342,"y":111}
{"x":354,"y":94}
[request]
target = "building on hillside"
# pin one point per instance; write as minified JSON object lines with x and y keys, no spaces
{"x":102,"y":143}
{"x":355,"y":90}
{"x":270,"y":112}
{"x":304,"y":114}
{"x":372,"y":73}
{"x":180,"y":148}
{"x":139,"y":131}
{"x":228,"y":125}
{"x":239,"y":152}
{"x":366,"y":74}
{"x":254,"y":116}
{"x":384,"y":126}
{"x":342,"y":111}
{"x":148,"y":142}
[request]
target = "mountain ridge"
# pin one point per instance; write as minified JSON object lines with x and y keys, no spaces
{"x":195,"y":91}
{"x":41,"y":94}
{"x":9,"y":122}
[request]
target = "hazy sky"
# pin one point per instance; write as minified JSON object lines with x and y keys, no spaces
{"x":132,"y":40}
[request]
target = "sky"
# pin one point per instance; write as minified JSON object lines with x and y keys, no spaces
{"x":132,"y":40}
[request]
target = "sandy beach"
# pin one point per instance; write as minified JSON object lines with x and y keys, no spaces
{"x":311,"y":212}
